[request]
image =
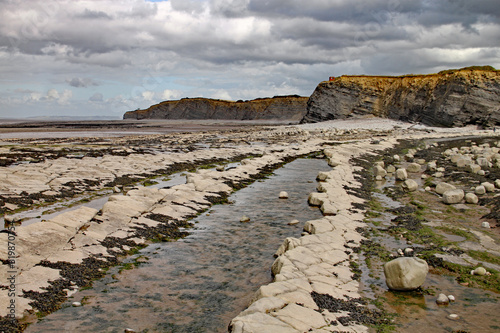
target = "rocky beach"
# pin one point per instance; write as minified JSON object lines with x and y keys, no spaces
{"x":319,"y":279}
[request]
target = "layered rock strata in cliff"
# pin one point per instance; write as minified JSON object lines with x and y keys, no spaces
{"x":291,"y":108}
{"x":449,"y":98}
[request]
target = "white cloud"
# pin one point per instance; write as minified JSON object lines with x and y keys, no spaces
{"x":168,"y":94}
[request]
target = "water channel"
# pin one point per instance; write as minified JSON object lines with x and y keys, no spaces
{"x":199,"y":283}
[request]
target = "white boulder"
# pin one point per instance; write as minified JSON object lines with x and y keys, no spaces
{"x":405,"y":273}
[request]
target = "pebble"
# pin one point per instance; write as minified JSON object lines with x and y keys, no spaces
{"x":245,"y":219}
{"x":408,"y":252}
{"x":451,"y":298}
{"x":220,"y":168}
{"x":485,"y":225}
{"x":129,"y":330}
{"x":76,"y":304}
{"x":293,"y":222}
{"x":480,"y":271}
{"x":453,"y":316}
{"x":442,"y":299}
{"x":283,"y":195}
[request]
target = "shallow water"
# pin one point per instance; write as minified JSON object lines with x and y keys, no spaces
{"x":200,"y":283}
{"x":477,"y":308}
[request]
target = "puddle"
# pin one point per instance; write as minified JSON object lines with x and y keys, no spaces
{"x":198,"y":284}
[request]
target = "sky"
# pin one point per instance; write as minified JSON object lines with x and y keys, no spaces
{"x":103,"y":58}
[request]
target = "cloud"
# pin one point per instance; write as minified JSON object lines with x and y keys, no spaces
{"x":78,"y":82}
{"x":144,"y":52}
{"x":97,"y":97}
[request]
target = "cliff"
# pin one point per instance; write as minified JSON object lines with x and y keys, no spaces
{"x":449,"y":98}
{"x":291,"y":108}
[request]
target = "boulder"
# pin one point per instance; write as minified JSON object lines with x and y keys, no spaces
{"x":413,"y":168}
{"x":443,"y":187}
{"x":405,"y":273}
{"x":380,"y":171}
{"x":463,"y":161}
{"x":410,"y":185}
{"x":432,"y":166}
{"x":333,"y":162}
{"x":473,"y":168}
{"x":489,"y":187}
{"x":471,"y":198}
{"x":390,"y":169}
{"x":401,"y":174}
{"x":480,"y":190}
{"x":453,"y":196}
{"x":317,"y":199}
{"x":323,"y":175}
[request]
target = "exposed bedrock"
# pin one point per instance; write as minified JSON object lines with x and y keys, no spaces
{"x":291,"y":108}
{"x":449,"y":98}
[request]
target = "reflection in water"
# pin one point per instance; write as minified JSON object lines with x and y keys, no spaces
{"x":200,"y":283}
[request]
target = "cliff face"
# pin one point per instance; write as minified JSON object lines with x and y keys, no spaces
{"x":449,"y":98}
{"x":291,"y":108}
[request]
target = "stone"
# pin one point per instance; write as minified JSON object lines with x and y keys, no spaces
{"x":453,"y":316}
{"x":453,"y":196}
{"x":420,"y":161}
{"x":405,"y":273}
{"x":481,"y":172}
{"x":244,"y":219}
{"x":485,"y":225}
{"x":10,"y":206}
{"x":408,"y":252}
{"x":283,"y":195}
{"x":443,"y":187}
{"x":442,"y":299}
{"x":328,"y":209}
{"x":413,"y":167}
{"x":323,"y":175}
{"x":489,"y":187}
{"x":474,"y":168}
{"x":401,"y":174}
{"x":396,"y":158}
{"x":451,"y":298}
{"x":317,"y":199}
{"x":410,"y":185}
{"x":76,"y":304}
{"x":438,"y":175}
{"x":480,"y":190}
{"x":432,"y":166}
{"x":293,"y":222}
{"x":380,"y":171}
{"x":483,"y":162}
{"x":497,"y":183}
{"x":471,"y":198}
{"x":333,"y":162}
{"x":480,"y":271}
{"x":390,"y":169}
{"x":463,"y":161}
{"x":220,"y":168}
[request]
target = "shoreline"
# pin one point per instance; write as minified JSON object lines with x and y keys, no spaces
{"x":276,"y":145}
